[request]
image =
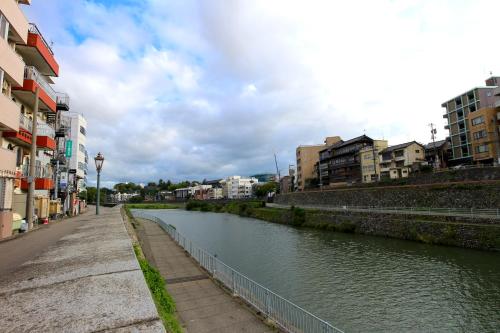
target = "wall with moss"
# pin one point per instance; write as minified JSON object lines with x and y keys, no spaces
{"x":453,"y":195}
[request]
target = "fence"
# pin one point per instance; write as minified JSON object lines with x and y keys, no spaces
{"x":284,"y":313}
{"x":460,"y":212}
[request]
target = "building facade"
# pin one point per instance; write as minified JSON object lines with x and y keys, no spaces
{"x":401,"y":160}
{"x":28,"y":104}
{"x":460,"y":112}
{"x":438,"y":153}
{"x":369,"y":157}
{"x":307,"y":162}
{"x":79,"y":155}
{"x":237,"y":187}
{"x":341,"y":163}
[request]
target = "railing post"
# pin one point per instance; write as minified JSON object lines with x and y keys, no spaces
{"x":268,"y":303}
{"x":233,"y":285}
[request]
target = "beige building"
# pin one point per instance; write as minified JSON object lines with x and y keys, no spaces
{"x":369,"y":156}
{"x":485,"y":132}
{"x":307,"y":159}
{"x":399,"y":161}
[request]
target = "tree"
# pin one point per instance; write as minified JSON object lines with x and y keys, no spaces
{"x":263,"y":190}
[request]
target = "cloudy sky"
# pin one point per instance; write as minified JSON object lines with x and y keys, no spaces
{"x":197,"y":89}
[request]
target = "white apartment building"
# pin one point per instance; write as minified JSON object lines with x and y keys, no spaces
{"x":79,"y":156}
{"x":237,"y":187}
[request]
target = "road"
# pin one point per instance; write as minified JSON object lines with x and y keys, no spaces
{"x":15,"y":252}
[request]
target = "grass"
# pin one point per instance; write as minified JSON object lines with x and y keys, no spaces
{"x":163,"y":301}
{"x":152,"y":206}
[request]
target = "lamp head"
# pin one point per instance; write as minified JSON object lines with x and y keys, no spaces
{"x":99,"y":161}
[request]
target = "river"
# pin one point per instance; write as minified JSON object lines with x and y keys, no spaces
{"x":357,"y":283}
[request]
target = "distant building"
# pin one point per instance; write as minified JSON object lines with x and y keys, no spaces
{"x":400,"y":160}
{"x":438,"y":153}
{"x":215,"y":193}
{"x":473,"y":122}
{"x":79,"y":159}
{"x":340,"y":163}
{"x":237,"y":187}
{"x":286,"y":184}
{"x":307,"y":161}
{"x":370,"y":167}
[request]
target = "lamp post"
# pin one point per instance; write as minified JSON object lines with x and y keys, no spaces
{"x":99,"y":160}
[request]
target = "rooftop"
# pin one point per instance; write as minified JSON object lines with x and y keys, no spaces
{"x":400,"y":146}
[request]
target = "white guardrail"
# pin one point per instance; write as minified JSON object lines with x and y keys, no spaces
{"x":284,"y":313}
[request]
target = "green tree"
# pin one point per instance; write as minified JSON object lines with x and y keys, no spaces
{"x":263,"y":190}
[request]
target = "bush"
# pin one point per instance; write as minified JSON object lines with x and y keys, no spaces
{"x":136,"y":199}
{"x":298,"y":216}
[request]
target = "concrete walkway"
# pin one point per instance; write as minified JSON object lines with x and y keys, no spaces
{"x":86,"y":281}
{"x":202,"y":306}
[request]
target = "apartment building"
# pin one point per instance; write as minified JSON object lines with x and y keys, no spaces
{"x":470,"y":140}
{"x":369,"y":157}
{"x":307,"y":162}
{"x":237,"y":187}
{"x":400,"y":160}
{"x":341,"y":163}
{"x":27,"y":65}
{"x":79,"y":155}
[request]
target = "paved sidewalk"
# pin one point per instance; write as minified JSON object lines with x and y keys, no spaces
{"x":202,"y":306}
{"x":87,"y":281}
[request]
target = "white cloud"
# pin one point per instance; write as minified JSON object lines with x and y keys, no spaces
{"x":200,"y":89}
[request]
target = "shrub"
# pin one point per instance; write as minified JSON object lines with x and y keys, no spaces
{"x":298,"y":216}
{"x":136,"y":199}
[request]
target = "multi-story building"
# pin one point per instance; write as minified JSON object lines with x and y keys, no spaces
{"x":237,"y":187}
{"x":79,"y":156}
{"x":27,"y":64}
{"x":438,"y":153}
{"x":400,"y":160}
{"x":370,"y":167}
{"x":464,"y":113}
{"x":307,"y":161}
{"x":341,"y":163}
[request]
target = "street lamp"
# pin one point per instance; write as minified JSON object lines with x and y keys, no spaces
{"x":99,"y":161}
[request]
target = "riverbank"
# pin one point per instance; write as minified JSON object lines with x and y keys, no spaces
{"x":474,"y":233}
{"x":200,"y":304}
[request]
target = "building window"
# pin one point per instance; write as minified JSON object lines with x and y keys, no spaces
{"x":82,"y":130}
{"x":482,"y":149}
{"x":417,"y":151}
{"x":4,"y":27}
{"x":81,"y":148}
{"x":478,"y":120}
{"x":479,"y":135}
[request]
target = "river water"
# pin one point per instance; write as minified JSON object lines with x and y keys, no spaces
{"x":357,"y":283}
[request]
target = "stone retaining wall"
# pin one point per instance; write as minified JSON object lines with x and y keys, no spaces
{"x":435,"y":196}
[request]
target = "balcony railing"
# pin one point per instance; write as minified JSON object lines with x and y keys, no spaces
{"x":26,"y":123}
{"x":62,"y":98}
{"x":40,"y":171}
{"x":45,"y":130}
{"x":34,"y":30}
{"x":31,"y":73}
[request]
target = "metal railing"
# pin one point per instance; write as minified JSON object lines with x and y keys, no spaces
{"x":284,"y":313}
{"x":26,"y":122}
{"x":62,"y":98}
{"x":445,"y":211}
{"x":45,"y":130}
{"x":34,"y":30}
{"x":31,"y":73}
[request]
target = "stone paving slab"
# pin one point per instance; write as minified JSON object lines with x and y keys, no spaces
{"x":202,"y":306}
{"x":88,"y":281}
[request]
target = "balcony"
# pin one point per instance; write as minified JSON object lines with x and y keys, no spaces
{"x":11,"y":63}
{"x":26,"y":93}
{"x":37,"y":52}
{"x":9,"y":114}
{"x":17,"y":20}
{"x":40,"y":184}
{"x":21,"y":137}
{"x":7,"y":163}
{"x":43,"y":177}
{"x":62,"y":101}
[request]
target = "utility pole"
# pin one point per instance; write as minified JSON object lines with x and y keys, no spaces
{"x":278,"y":172}
{"x":31,"y":175}
{"x":433,"y":137}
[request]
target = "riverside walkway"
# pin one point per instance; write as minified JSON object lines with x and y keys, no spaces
{"x":83,"y":277}
{"x":202,"y":306}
